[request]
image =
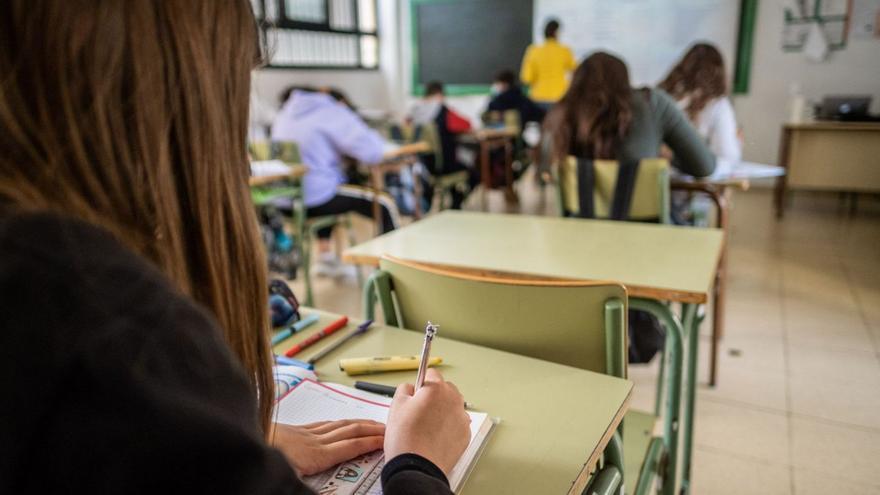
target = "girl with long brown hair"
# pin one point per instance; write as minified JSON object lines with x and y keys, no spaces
{"x":603,"y":117}
{"x":134,"y":317}
{"x":698,"y":82}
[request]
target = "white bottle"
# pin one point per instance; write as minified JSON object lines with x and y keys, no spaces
{"x":797,"y":104}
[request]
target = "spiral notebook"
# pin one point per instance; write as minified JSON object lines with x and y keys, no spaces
{"x":310,"y":402}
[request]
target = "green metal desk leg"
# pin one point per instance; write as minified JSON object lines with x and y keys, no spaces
{"x":674,"y":365}
{"x":661,"y":374}
{"x":305,"y":243}
{"x":691,"y":326}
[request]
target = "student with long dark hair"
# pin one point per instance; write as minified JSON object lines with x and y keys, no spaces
{"x":699,"y":83}
{"x":602,"y":117}
{"x":134,"y":321}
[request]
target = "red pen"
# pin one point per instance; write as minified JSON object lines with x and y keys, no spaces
{"x":336,"y":325}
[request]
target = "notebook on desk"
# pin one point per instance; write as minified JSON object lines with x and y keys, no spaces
{"x":310,"y":402}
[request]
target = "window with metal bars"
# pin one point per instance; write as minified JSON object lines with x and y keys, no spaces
{"x":320,"y":34}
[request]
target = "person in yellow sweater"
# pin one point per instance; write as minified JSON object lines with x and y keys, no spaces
{"x":545,"y":67}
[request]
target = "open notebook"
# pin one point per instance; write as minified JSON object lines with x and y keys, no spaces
{"x":310,"y":402}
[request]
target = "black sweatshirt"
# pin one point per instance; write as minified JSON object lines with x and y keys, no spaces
{"x":113,"y":382}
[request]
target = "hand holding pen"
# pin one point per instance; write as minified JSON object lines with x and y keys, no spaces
{"x":430,"y":422}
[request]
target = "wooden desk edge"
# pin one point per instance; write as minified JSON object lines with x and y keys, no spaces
{"x":583,"y":478}
{"x":407,"y":149}
{"x":658,"y":294}
{"x":296,"y":172}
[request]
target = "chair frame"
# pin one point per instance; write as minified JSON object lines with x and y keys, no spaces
{"x":662,"y":454}
{"x":305,"y":228}
{"x":663,"y":193}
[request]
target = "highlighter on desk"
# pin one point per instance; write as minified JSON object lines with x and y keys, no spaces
{"x":363,"y":366}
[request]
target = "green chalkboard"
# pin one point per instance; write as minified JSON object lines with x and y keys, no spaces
{"x":464,"y":43}
{"x":748,"y":14}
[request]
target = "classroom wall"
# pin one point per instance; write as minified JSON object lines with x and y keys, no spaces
{"x":854,"y":70}
{"x":368,"y":89}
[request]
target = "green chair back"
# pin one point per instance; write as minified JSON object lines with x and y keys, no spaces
{"x":509,"y":118}
{"x":576,"y":323}
{"x":650,"y":198}
{"x":287,"y":152}
{"x":260,"y":150}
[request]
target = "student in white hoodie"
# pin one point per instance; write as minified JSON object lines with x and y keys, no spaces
{"x":699,"y":83}
{"x":325,"y":130}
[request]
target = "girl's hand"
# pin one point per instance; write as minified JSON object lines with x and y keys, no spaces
{"x":316,"y":447}
{"x":431,"y":423}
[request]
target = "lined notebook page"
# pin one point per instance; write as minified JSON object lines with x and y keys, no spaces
{"x":311,"y":402}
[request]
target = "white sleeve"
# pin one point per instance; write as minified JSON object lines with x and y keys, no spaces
{"x":723,"y":138}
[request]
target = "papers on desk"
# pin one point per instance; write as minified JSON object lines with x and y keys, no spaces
{"x":287,"y":377}
{"x":728,"y":170}
{"x":264,"y":168}
{"x":389,"y":147}
{"x":310,"y":402}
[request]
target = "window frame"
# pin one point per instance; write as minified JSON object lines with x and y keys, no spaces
{"x":285,"y":23}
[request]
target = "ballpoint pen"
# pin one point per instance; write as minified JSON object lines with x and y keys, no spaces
{"x":430,"y":332}
{"x":386,"y":390}
{"x":360,"y":330}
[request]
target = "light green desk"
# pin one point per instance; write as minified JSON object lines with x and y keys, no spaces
{"x":555,"y":420}
{"x":655,"y":262}
{"x":660,"y":262}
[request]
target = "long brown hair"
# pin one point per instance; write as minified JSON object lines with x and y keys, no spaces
{"x":698,"y":76}
{"x":132,"y":115}
{"x":594,"y":115}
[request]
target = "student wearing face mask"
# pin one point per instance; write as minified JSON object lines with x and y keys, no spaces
{"x":508,"y":95}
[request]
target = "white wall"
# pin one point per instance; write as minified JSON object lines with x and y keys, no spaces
{"x":853,"y":70}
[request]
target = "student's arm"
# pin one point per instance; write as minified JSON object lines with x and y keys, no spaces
{"x":527,"y":72}
{"x":352,"y":137}
{"x":723,"y":138}
{"x":692,"y":156}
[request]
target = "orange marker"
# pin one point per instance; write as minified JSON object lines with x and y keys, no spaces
{"x":336,"y":325}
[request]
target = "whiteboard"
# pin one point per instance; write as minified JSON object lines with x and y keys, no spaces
{"x":649,"y":35}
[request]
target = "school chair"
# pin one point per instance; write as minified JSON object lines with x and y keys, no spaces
{"x":638,"y":192}
{"x":587,"y":330}
{"x":443,"y":183}
{"x":305,"y":229}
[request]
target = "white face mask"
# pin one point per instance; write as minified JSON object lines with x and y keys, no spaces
{"x":496,"y":89}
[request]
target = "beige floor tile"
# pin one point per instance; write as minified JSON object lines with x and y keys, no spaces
{"x":742,"y":431}
{"x":808,"y":482}
{"x":815,"y":308}
{"x":716,"y":473}
{"x":758,"y":354}
{"x":829,"y":448}
{"x":849,"y":335}
{"x":644,"y":378}
{"x":827,"y":365}
{"x":841,"y":401}
{"x":742,"y":385}
{"x":747,"y":322}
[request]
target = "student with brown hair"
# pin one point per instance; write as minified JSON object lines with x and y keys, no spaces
{"x":134,"y":316}
{"x":699,"y":83}
{"x":603,"y":117}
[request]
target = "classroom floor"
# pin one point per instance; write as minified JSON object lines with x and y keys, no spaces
{"x":797,"y":407}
